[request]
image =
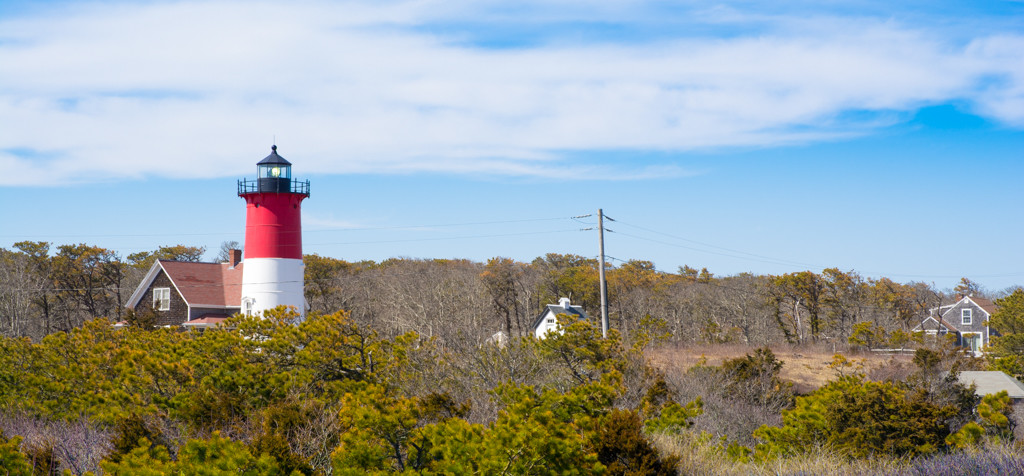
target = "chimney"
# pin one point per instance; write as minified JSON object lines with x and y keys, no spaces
{"x":234,"y":257}
{"x":564,"y":302}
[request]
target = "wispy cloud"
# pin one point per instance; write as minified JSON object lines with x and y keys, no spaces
{"x":189,"y":89}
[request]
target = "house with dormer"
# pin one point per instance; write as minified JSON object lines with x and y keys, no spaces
{"x":188,"y":294}
{"x":967,"y":319}
{"x":548,"y":319}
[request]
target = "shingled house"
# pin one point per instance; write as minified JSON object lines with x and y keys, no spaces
{"x":967,"y":319}
{"x":193,"y":295}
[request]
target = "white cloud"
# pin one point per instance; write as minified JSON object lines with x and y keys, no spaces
{"x":1002,"y":95}
{"x":197,"y":89}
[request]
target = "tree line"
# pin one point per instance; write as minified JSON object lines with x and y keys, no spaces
{"x":46,"y":289}
{"x":460,"y":298}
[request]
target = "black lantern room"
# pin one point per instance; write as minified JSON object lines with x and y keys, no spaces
{"x":274,"y":173}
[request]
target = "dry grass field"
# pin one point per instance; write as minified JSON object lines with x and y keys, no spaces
{"x":807,"y":366}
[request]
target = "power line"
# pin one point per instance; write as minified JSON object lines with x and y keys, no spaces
{"x":441,"y":225}
{"x":767,"y":260}
{"x":779,"y":261}
{"x":675,"y":240}
{"x":752,"y":255}
{"x":444,"y":238}
{"x":318,"y":230}
{"x":423,"y":227}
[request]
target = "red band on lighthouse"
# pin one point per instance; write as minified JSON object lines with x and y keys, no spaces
{"x":273,"y":225}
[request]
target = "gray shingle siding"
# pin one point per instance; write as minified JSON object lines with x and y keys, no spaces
{"x":978,"y":317}
{"x":178,"y":312}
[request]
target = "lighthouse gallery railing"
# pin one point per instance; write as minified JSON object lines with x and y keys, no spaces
{"x":253,"y":186}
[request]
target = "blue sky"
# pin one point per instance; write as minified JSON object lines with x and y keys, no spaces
{"x":737,"y":136}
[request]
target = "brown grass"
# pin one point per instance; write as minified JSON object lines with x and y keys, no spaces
{"x":700,"y":455}
{"x":703,"y":456}
{"x":807,"y":366}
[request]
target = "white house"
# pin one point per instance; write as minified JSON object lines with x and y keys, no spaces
{"x":548,"y":321}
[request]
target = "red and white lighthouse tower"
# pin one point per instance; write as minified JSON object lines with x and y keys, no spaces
{"x":273,"y":273}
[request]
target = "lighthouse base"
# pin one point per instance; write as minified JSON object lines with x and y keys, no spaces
{"x":271,"y":282}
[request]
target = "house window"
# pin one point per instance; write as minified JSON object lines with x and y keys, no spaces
{"x":247,"y":305}
{"x":551,"y":320}
{"x":162,"y":299}
{"x":965,"y":317}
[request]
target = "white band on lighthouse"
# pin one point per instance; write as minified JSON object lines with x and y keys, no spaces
{"x":271,"y":282}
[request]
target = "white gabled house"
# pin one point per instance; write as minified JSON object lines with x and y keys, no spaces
{"x":548,"y":320}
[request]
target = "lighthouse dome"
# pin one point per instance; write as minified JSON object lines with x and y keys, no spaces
{"x":274,"y":166}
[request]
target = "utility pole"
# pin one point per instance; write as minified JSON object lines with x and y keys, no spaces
{"x":600,"y":271}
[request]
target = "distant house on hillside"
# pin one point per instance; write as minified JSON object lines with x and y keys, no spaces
{"x":548,"y":321}
{"x":966,"y":318}
{"x":193,"y":295}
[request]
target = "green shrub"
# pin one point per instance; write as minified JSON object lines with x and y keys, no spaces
{"x":860,"y":419}
{"x":12,"y":461}
{"x":622,"y":448}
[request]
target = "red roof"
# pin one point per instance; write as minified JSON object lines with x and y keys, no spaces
{"x":206,"y":284}
{"x":985,"y":304}
{"x":989,"y":306}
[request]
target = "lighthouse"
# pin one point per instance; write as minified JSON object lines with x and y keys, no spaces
{"x":272,"y":274}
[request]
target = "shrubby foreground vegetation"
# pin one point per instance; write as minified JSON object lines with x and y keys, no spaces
{"x":408,"y":378}
{"x":326,"y":396}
